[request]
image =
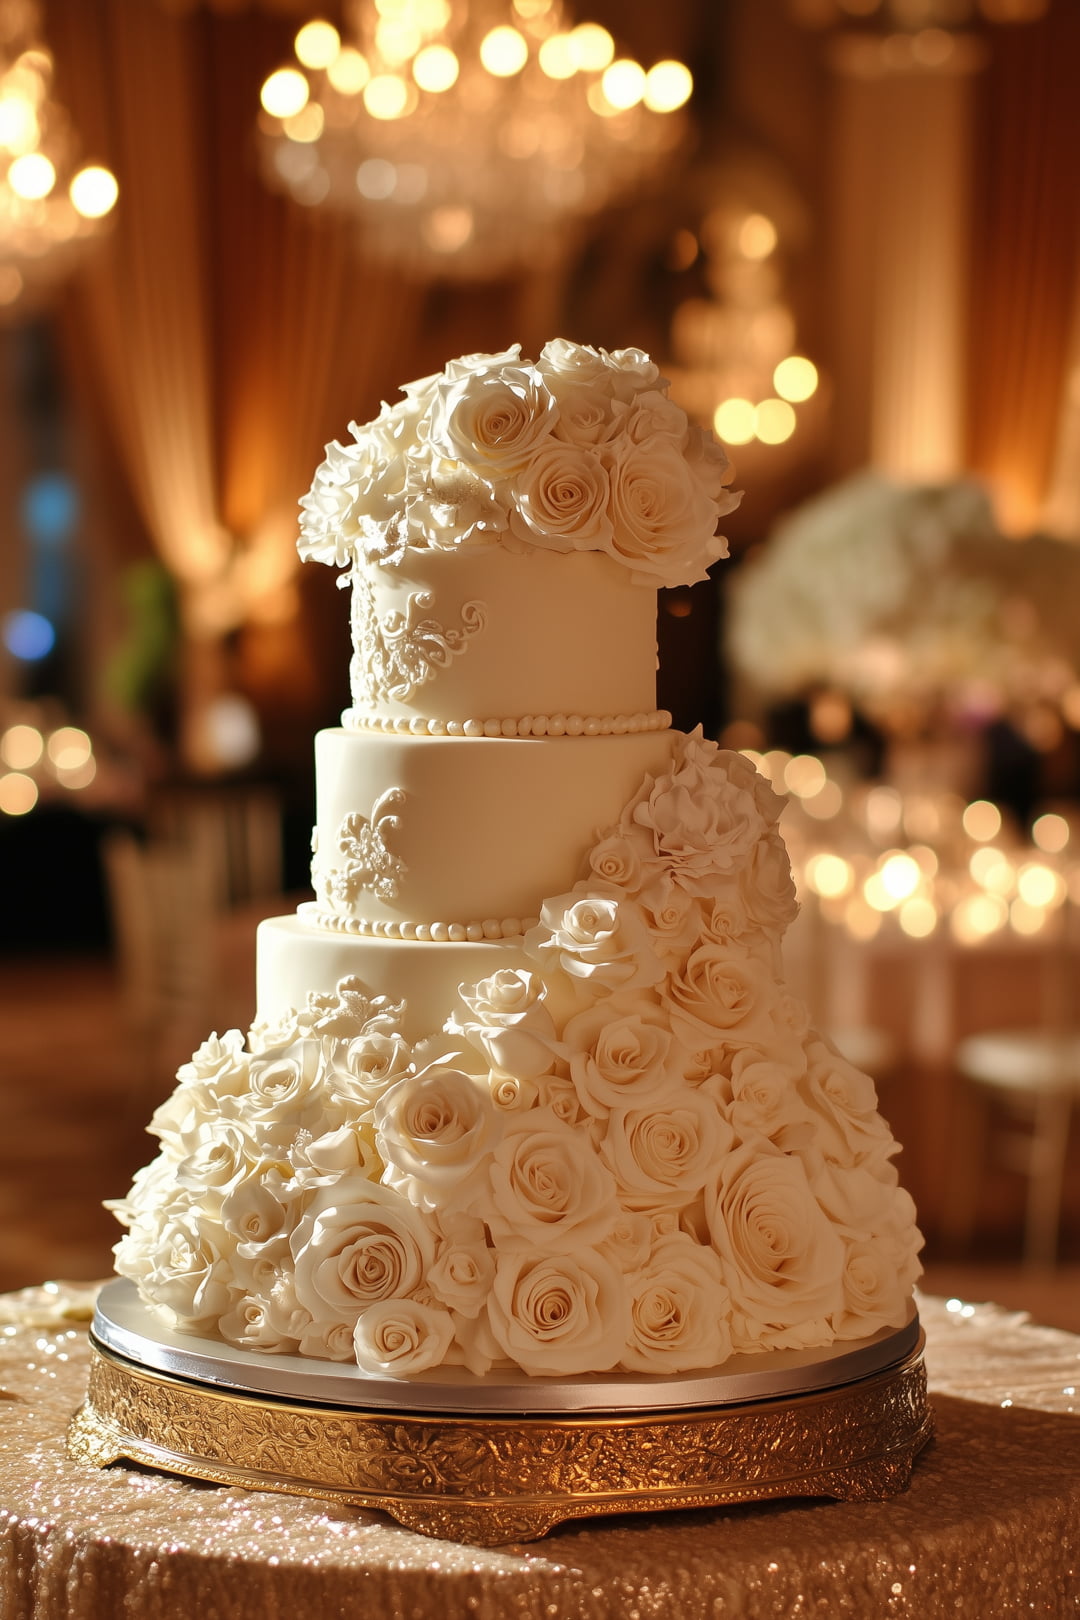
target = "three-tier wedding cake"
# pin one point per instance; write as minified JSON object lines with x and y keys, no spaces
{"x":525,"y":1087}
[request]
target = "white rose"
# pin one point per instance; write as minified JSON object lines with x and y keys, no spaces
{"x":220,"y":1062}
{"x":619,"y":1059}
{"x":844,"y":1103}
{"x":358,"y":1243}
{"x":283,"y":1091}
{"x":741,"y":772}
{"x":876,"y":1294}
{"x":493,"y":420}
{"x":666,"y":1154}
{"x":362,"y":1068}
{"x":630,"y":1240}
{"x":255,"y":1212}
{"x":179,"y":1264}
{"x":558,"y":1093}
{"x":560,"y":500}
{"x":783,"y":1258}
{"x":250,"y":1326}
{"x":464,"y":1266}
{"x":223,"y":1153}
{"x":400,"y":1338}
{"x":587,"y":416}
{"x":547,"y":1184}
{"x":765,"y":1097}
{"x":600,"y":938}
{"x":633,"y":372}
{"x":511,"y":1025}
{"x":327,"y":1341}
{"x":617,"y":859}
{"x":511,"y":1092}
{"x":346,"y":1149}
{"x":663,"y":522}
{"x":434,"y":1130}
{"x":707,"y":460}
{"x":723,"y":994}
{"x":558,"y":1314}
{"x":679,"y":1310}
{"x":653,"y":415}
{"x":702,"y":824}
{"x":567,"y":367}
{"x":453,"y":507}
{"x":726,"y":920}
{"x":767,"y":886}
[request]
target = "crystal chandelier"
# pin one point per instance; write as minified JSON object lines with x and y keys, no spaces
{"x":48,"y":209}
{"x":468,"y":136}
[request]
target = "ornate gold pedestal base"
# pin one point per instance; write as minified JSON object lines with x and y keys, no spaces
{"x":493,"y":1480}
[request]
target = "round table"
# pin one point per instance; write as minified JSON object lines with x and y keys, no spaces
{"x":988,"y":1528}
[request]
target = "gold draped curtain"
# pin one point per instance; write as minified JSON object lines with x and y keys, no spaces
{"x":227,"y":335}
{"x":1024,"y":330}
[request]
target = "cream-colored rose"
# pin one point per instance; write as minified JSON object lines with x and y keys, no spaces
{"x":725,"y":917}
{"x":220,"y":1063}
{"x":620,"y":1058}
{"x":630,"y":1241}
{"x":223,"y":1154}
{"x":284,"y":1093}
{"x":742,"y":772}
{"x":362,"y":1068}
{"x":510,"y":1022}
{"x":547,"y":1185}
{"x":707,"y":460}
{"x":844,"y":1103}
{"x":783,"y":1258}
{"x":679,"y":1310}
{"x":400,"y":1337}
{"x":588,"y":417}
{"x":767,"y":886}
{"x":568,"y":367}
{"x":617,"y":859}
{"x":653,"y":415}
{"x":557,"y":1315}
{"x":600,"y":938}
{"x":249,"y":1325}
{"x":723,"y":994}
{"x":355,"y":1244}
{"x":663,"y":523}
{"x":179,"y":1265}
{"x":256,"y":1211}
{"x":327,"y":1341}
{"x":664,"y":1155}
{"x":702,"y":825}
{"x":494,"y":421}
{"x":765,"y":1096}
{"x":633,"y":373}
{"x":560,"y":500}
{"x":434,"y":1131}
{"x":464,"y":1265}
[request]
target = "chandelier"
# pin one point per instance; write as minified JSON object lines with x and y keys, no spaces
{"x":48,"y":209}
{"x":468,"y":136}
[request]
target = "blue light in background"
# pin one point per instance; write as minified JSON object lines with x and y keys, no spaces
{"x":50,"y":507}
{"x":28,"y":636}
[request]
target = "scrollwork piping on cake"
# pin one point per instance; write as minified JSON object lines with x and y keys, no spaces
{"x":369,"y":864}
{"x":395,"y":652}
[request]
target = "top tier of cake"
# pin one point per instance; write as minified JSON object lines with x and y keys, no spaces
{"x":505,"y":527}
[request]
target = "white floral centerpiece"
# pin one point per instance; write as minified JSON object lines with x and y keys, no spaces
{"x":633,"y":1154}
{"x":871,"y":589}
{"x":581,"y":450}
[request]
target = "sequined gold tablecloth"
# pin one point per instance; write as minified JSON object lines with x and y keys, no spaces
{"x":989,"y":1528}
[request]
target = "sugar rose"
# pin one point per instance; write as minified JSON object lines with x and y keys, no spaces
{"x":358,"y":1243}
{"x":399,"y":1338}
{"x":679,"y":1310}
{"x":464,"y":1265}
{"x":510,"y":1023}
{"x":560,"y":500}
{"x":547,"y":1186}
{"x":250,"y":1326}
{"x":663,"y":523}
{"x":703,"y":826}
{"x":783,"y":1258}
{"x":723,"y":994}
{"x":494,"y":420}
{"x":619,"y":1057}
{"x":178,"y":1262}
{"x":434,"y":1130}
{"x":556,"y":1315}
{"x":767,"y":886}
{"x":666,"y":1154}
{"x":599,"y":938}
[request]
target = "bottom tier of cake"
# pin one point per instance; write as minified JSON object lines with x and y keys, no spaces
{"x":495,"y":1460}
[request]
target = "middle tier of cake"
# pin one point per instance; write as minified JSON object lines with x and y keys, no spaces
{"x":463,"y":837}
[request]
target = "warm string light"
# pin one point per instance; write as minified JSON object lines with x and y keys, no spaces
{"x":961,"y":869}
{"x":467,"y":135}
{"x":48,"y":208}
{"x":33,"y":760}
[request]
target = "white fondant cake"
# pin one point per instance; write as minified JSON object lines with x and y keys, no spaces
{"x":525,"y":1087}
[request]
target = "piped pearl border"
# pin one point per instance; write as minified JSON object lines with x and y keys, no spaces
{"x":528,"y":725}
{"x":436,"y":933}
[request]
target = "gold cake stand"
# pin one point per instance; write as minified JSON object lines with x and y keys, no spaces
{"x":514,"y":1464}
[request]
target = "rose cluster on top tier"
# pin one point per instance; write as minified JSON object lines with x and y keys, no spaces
{"x":633,"y":1154}
{"x":581,"y":450}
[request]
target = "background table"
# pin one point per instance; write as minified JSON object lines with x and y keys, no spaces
{"x":989,"y":1528}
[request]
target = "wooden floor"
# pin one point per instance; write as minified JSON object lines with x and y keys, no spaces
{"x":76,"y":1091}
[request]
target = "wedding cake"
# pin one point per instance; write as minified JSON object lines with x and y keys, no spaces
{"x":525,"y":1088}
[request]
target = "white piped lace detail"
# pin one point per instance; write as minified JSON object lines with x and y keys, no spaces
{"x":396,"y":652}
{"x":369,"y":864}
